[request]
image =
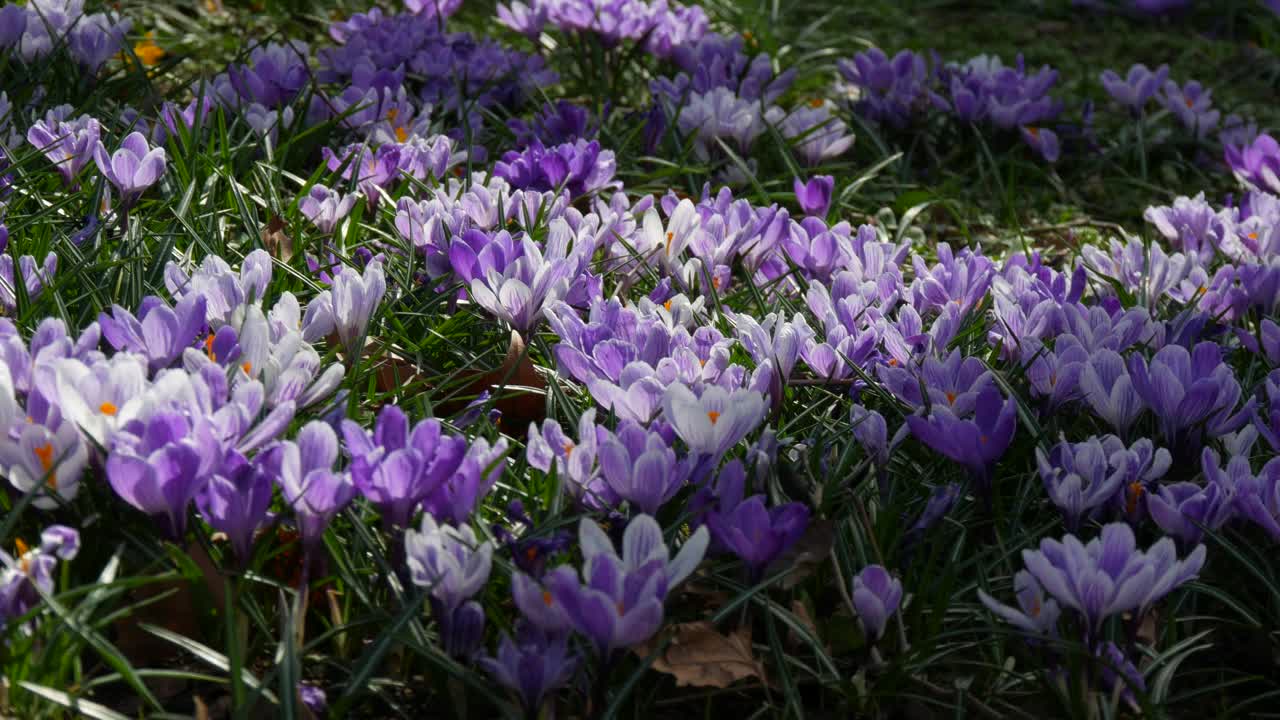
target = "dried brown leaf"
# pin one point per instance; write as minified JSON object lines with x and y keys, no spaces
{"x":275,"y":240}
{"x":700,"y":656}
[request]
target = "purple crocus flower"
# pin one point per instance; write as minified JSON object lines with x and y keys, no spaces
{"x":538,"y":605}
{"x":876,"y":596}
{"x":47,"y":452}
{"x":133,"y":168}
{"x":757,"y":534}
{"x":25,"y":578}
{"x":1110,"y":575}
{"x":975,"y":443}
{"x":68,"y":144}
{"x":158,"y":333}
{"x":33,"y":277}
{"x":1256,"y":164}
{"x":814,"y":196}
{"x":325,"y":208}
{"x":455,"y":497}
{"x":304,"y":471}
{"x":1185,"y":510}
{"x":1081,"y":477}
{"x":1108,"y":390}
{"x":518,"y":293}
{"x":1190,"y":225}
{"x":580,"y":167}
{"x":1036,"y":615}
{"x":532,"y":664}
{"x":1138,"y":85}
{"x":1043,"y":140}
{"x":640,"y":467}
{"x":157,"y":469}
{"x":619,"y":601}
{"x":1192,"y":104}
{"x":891,"y":91}
{"x":235,"y":502}
{"x":395,"y":468}
{"x":1192,"y":394}
{"x":313,"y":697}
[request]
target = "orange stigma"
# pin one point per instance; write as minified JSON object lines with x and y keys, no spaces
{"x":1033,"y":131}
{"x":108,"y":408}
{"x":546,"y":598}
{"x":816,"y":103}
{"x":1132,"y":495}
{"x":247,"y":368}
{"x":568,"y":449}
{"x":667,"y":305}
{"x":713,"y":416}
{"x":951,"y":398}
{"x":670,"y":237}
{"x":401,"y":134}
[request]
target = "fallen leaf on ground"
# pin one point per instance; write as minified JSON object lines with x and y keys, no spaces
{"x":701,"y":656}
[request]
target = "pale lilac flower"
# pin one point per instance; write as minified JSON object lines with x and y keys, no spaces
{"x":448,"y":561}
{"x":68,"y":144}
{"x":1137,"y":87}
{"x":133,"y":168}
{"x":715,"y":421}
{"x":347,"y":307}
{"x":815,"y":131}
{"x":1257,"y":163}
{"x":1109,"y":575}
{"x":814,"y":196}
{"x":325,"y":208}
{"x":1193,"y":105}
